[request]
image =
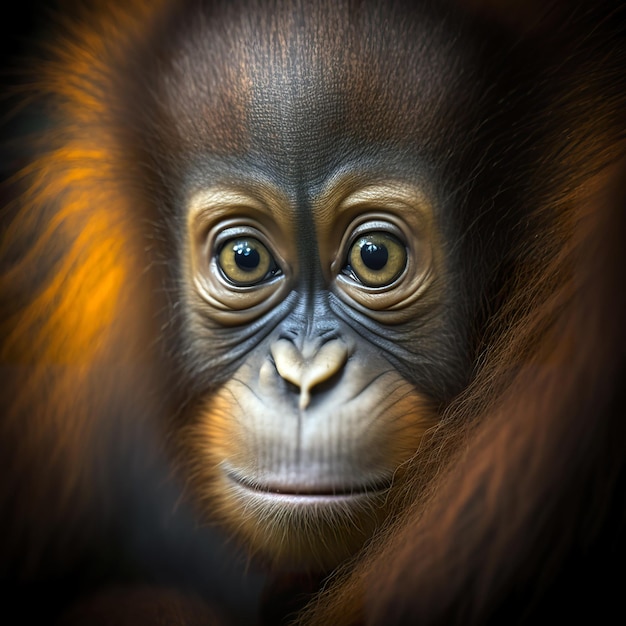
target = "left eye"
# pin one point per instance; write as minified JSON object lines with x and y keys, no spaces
{"x":376,"y":259}
{"x":246,"y":261}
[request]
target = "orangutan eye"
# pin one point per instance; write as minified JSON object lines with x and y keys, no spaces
{"x":245,"y":261}
{"x":376,"y":259}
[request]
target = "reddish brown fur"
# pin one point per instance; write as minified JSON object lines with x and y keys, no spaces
{"x":531,"y":483}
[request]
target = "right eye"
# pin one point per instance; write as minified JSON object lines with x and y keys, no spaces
{"x":245,"y":261}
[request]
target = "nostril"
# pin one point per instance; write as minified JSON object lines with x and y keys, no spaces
{"x":327,"y":384}
{"x":288,"y":361}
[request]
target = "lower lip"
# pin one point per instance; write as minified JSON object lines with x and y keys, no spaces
{"x":307,"y":499}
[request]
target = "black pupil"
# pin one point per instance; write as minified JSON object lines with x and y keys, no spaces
{"x":374,"y":255}
{"x":247,"y":258}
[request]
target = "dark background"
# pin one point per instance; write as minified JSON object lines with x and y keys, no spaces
{"x":22,"y":28}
